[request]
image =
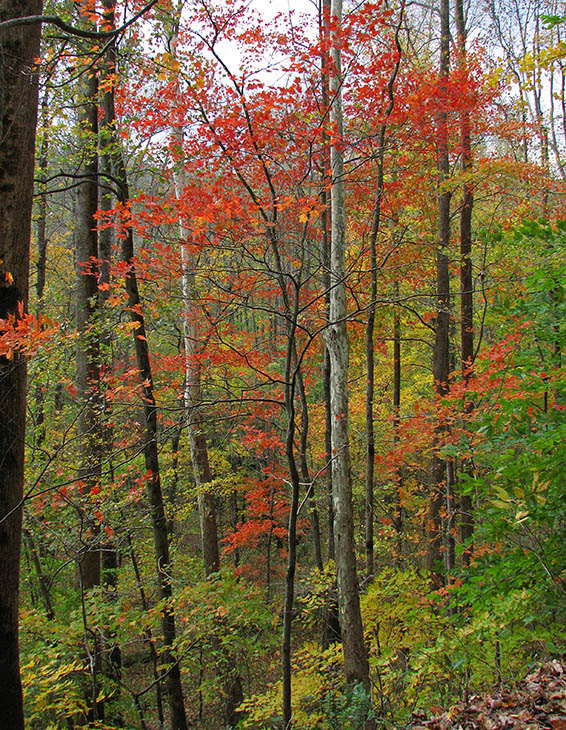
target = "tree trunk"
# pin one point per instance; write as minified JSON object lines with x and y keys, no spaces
{"x":441,"y":358}
{"x":42,"y":203}
{"x":154,"y":492}
{"x":370,"y":327}
{"x":325,"y":220}
{"x":356,"y":666}
{"x":42,"y":580}
{"x":88,"y":347}
{"x":18,"y":109}
{"x":193,"y":391}
{"x":292,"y":526}
{"x":398,"y":506}
{"x":87,"y":359}
{"x":466,"y":284}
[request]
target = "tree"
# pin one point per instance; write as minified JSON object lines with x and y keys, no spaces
{"x":19,"y":97}
{"x":441,"y":357}
{"x":356,"y":665}
{"x":466,"y":270}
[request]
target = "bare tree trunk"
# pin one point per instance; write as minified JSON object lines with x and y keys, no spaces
{"x":292,"y":525}
{"x":154,"y":491}
{"x":86,"y":290}
{"x":112,"y":655}
{"x":370,"y":327}
{"x":18,"y":94}
{"x":356,"y":666}
{"x":441,"y":357}
{"x":42,"y":203}
{"x":148,"y":636}
{"x":159,"y":523}
{"x":466,"y":284}
{"x":42,"y":579}
{"x":87,"y":359}
{"x":398,"y":506}
{"x":324,"y":23}
{"x":193,"y":390}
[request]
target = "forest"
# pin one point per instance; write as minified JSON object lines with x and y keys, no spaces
{"x":282,"y":393}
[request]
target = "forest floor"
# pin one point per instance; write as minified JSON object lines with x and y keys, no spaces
{"x":538,"y":702}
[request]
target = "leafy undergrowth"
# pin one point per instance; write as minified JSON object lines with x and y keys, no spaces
{"x":536,"y":703}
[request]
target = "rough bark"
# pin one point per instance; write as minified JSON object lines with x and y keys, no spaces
{"x":19,"y":46}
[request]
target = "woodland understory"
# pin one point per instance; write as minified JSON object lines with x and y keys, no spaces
{"x":294,"y":411}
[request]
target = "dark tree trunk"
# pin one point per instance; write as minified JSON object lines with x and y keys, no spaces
{"x":18,"y":109}
{"x":154,"y":491}
{"x":88,"y":347}
{"x":292,"y":535}
{"x":42,"y":579}
{"x":88,"y":365}
{"x":42,"y":203}
{"x":398,"y":506}
{"x":466,"y":284}
{"x":148,"y":636}
{"x":370,"y":327}
{"x":441,"y":358}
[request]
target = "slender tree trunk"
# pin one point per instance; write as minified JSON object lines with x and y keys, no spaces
{"x":42,"y":203}
{"x":292,"y":525}
{"x":112,"y":664}
{"x":370,"y":327}
{"x":331,"y":623}
{"x":441,"y":357}
{"x":304,"y":469}
{"x":466,"y":284}
{"x":193,"y":390}
{"x":356,"y":666}
{"x":18,"y":114}
{"x":398,"y":505}
{"x":42,"y":579}
{"x":154,"y":491}
{"x":148,"y":636}
{"x":324,"y":23}
{"x":88,"y":346}
{"x":87,"y":359}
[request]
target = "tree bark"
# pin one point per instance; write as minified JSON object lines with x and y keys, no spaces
{"x":441,"y":357}
{"x":18,"y":110}
{"x":325,"y":221}
{"x":466,"y":284}
{"x":87,"y":360}
{"x":151,"y":455}
{"x":193,"y":390}
{"x":398,"y":505}
{"x":88,"y":346}
{"x":42,"y":203}
{"x":356,"y":666}
{"x":370,"y":327}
